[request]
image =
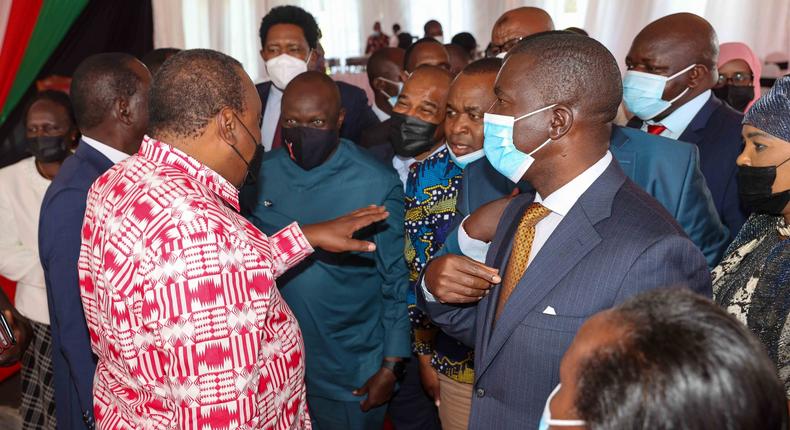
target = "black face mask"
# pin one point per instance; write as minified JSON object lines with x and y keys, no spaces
{"x":48,"y":149}
{"x":737,"y":97}
{"x":255,"y":162}
{"x":754,"y":188}
{"x":309,"y":147}
{"x":410,"y":136}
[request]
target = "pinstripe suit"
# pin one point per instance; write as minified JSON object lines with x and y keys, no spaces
{"x":615,"y":242}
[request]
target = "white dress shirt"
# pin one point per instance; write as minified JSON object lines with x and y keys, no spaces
{"x":22,"y":190}
{"x":380,"y":114}
{"x":559,"y":203}
{"x":677,"y":122}
{"x":271,"y":116}
{"x":111,"y":153}
{"x":401,"y":165}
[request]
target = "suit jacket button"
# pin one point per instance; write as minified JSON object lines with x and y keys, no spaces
{"x":481,"y":392}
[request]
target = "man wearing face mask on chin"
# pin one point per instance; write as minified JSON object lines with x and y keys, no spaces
{"x":169,"y":268}
{"x":51,"y":133}
{"x":351,"y":307}
{"x":671,"y":71}
{"x":587,"y":238}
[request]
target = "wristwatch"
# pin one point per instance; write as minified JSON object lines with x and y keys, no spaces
{"x":397,"y":367}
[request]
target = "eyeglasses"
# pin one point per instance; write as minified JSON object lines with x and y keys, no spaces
{"x":507,"y":46}
{"x":738,"y":79}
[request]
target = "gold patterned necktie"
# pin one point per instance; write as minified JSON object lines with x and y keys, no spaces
{"x":519,"y":255}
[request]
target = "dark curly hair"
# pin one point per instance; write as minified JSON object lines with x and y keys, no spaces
{"x":190,"y":88}
{"x":291,"y":15}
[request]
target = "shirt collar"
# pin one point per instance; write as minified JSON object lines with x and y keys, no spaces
{"x":380,"y":114}
{"x":562,"y":200}
{"x":678,"y":120}
{"x":111,"y":153}
{"x":162,"y":153}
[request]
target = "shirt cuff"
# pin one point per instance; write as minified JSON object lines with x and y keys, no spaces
{"x":472,"y":248}
{"x":428,"y":296}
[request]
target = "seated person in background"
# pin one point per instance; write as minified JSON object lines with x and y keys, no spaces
{"x":377,"y":40}
{"x":51,"y":133}
{"x":424,"y":52}
{"x":666,"y":359}
{"x":351,"y":307}
{"x":751,"y":281}
{"x":671,"y":70}
{"x":459,"y":58}
{"x":586,"y":239}
{"x":739,"y":71}
{"x":431,"y":181}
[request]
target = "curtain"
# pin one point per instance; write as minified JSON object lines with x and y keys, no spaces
{"x":231,"y":26}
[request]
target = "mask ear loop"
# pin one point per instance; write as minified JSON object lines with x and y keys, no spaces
{"x":682,"y":93}
{"x":535,"y":112}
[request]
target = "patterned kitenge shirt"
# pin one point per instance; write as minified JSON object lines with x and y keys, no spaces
{"x":431,"y":195}
{"x":181,"y":303}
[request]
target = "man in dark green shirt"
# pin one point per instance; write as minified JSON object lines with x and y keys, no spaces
{"x":351,"y":307}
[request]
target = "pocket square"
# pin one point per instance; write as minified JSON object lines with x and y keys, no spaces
{"x":549,"y":311}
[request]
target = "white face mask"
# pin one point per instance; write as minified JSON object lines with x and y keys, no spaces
{"x":546,"y":420}
{"x":283,"y":68}
{"x":439,"y":38}
{"x":464,"y":160}
{"x":501,"y":55}
{"x":643,"y":92}
{"x":500,"y":149}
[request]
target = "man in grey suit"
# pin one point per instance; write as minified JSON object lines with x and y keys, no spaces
{"x":585,"y":240}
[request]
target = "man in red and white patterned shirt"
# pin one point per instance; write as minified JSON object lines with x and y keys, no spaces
{"x":178,"y":289}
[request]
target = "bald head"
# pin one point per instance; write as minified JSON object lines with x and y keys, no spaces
{"x":671,"y":44}
{"x":686,"y":36}
{"x":459,"y":58}
{"x":311,"y":99}
{"x":519,"y":23}
{"x":426,"y":51}
{"x":385,"y":63}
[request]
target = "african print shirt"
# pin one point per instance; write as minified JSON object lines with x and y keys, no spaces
{"x":181,"y":303}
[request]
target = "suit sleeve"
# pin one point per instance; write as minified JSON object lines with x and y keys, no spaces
{"x":61,"y":240}
{"x":733,"y":213}
{"x":359,"y":115}
{"x":392,"y":267}
{"x":671,"y":261}
{"x":697,"y":213}
{"x":456,"y":321}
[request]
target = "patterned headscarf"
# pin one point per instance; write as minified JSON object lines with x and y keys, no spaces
{"x":771,"y":113}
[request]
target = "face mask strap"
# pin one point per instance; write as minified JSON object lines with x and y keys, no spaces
{"x":539,"y":147}
{"x":682,"y":93}
{"x":534,"y":112}
{"x":681,"y":72}
{"x":783,"y":162}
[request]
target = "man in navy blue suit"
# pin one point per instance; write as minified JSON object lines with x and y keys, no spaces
{"x":110,"y":97}
{"x":678,"y":53}
{"x":587,"y":237}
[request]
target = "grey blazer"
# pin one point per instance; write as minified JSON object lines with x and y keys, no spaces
{"x":615,"y":242}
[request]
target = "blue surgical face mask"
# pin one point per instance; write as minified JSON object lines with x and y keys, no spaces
{"x":642,"y":92}
{"x":392,"y":99}
{"x":546,"y":420}
{"x":499,"y":147}
{"x":464,"y":160}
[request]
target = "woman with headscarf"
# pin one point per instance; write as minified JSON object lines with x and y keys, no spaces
{"x":752,"y":280}
{"x":739,"y":76}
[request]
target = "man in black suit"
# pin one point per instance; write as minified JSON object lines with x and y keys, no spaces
{"x":289,"y":38}
{"x":423,"y":52}
{"x":682,"y":50}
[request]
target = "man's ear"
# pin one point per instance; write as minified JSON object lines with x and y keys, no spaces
{"x":561,"y":121}
{"x":377,"y":84}
{"x":226,"y":125}
{"x":698,"y":75}
{"x":121,"y":111}
{"x":340,"y":118}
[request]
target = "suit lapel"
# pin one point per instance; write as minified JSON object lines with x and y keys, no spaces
{"x":693,"y":133}
{"x":91,"y":155}
{"x":263,"y":93}
{"x":570,"y":242}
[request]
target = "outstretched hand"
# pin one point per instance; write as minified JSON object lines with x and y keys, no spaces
{"x":336,"y":235}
